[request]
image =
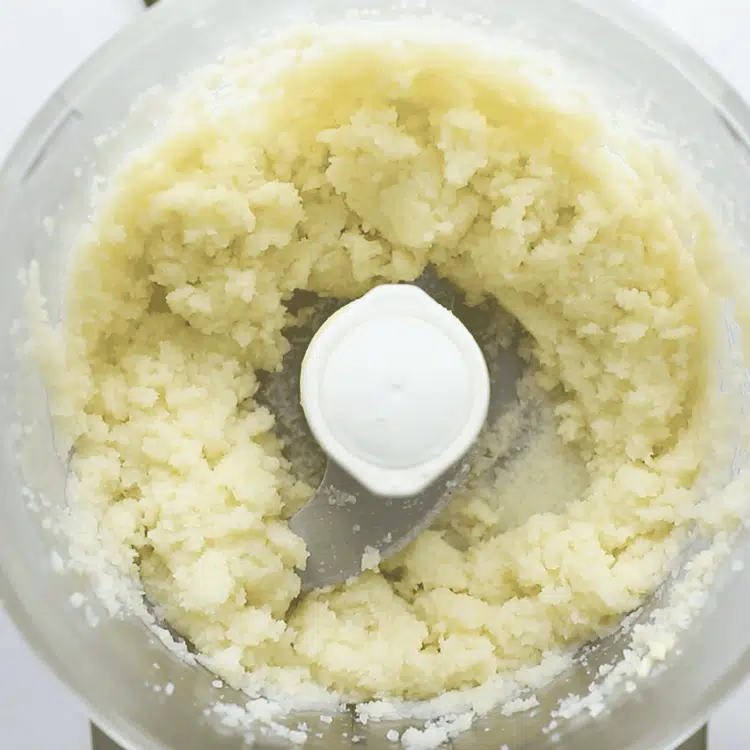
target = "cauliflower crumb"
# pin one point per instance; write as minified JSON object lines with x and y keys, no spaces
{"x":370,"y":559}
{"x":519,"y":704}
{"x":77,"y":600}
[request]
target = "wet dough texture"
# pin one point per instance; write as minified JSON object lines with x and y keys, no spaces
{"x":332,"y":164}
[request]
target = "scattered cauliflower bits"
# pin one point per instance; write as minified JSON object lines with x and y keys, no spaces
{"x":331,"y":165}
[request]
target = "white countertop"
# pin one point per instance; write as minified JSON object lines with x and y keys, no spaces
{"x":41,"y":42}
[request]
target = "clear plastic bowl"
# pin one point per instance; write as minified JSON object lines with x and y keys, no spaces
{"x":49,"y":173}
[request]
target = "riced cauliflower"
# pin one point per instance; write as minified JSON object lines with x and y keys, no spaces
{"x":332,"y":163}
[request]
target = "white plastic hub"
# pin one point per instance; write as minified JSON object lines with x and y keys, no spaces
{"x":395,"y":389}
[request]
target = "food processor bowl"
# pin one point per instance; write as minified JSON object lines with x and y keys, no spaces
{"x":117,"y":665}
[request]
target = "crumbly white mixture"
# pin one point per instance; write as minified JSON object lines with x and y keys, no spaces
{"x":333,"y":163}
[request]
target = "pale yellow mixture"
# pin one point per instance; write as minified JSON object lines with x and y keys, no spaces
{"x":332,"y":164}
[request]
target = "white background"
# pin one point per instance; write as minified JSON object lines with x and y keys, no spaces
{"x":41,"y":42}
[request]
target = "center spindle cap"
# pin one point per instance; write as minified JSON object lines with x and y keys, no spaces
{"x":395,"y":389}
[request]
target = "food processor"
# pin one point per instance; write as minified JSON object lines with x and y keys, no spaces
{"x":143,"y":696}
